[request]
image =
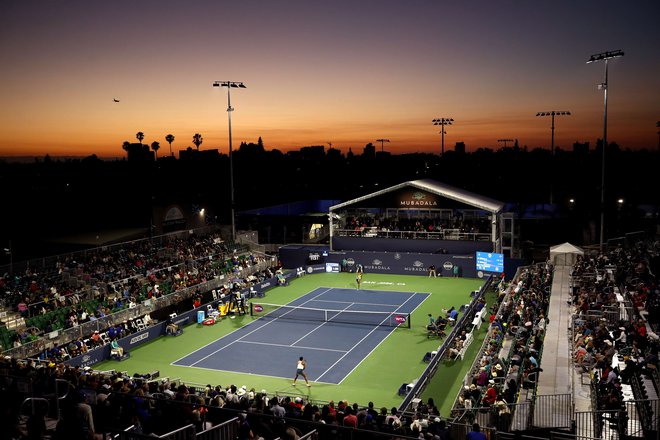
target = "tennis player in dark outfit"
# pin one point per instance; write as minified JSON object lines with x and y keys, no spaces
{"x":300,"y":371}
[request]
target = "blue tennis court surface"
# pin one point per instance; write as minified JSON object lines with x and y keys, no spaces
{"x":271,"y":345}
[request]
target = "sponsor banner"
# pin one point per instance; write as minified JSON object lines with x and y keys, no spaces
{"x":315,"y":268}
{"x":408,"y":263}
{"x":416,"y":199}
{"x":90,"y":358}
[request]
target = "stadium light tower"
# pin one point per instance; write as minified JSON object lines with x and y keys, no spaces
{"x":604,"y":56}
{"x":442,"y":122}
{"x":230,"y":85}
{"x":505,"y":141}
{"x":553,"y":113}
{"x":657,"y":124}
{"x":382,"y":144}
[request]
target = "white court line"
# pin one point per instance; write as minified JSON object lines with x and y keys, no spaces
{"x":318,"y":327}
{"x":428,"y":295}
{"x":358,"y":303}
{"x":365,"y":337}
{"x":291,"y":346}
{"x":247,"y":373}
{"x":227,"y":345}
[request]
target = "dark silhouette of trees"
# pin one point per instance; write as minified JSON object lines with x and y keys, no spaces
{"x":140,"y":136}
{"x":197,"y":140}
{"x":170,"y":138}
{"x":155,"y":145}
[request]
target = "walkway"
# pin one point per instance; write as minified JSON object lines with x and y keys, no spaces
{"x":559,"y":375}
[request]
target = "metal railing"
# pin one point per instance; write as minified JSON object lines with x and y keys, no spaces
{"x":431,"y":369}
{"x":445,"y":234}
{"x":223,"y":431}
{"x":62,"y":337}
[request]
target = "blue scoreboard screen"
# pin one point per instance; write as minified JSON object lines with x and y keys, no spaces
{"x":490,"y":262}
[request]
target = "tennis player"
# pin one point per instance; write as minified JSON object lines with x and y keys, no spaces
{"x":358,"y":279}
{"x":300,"y":371}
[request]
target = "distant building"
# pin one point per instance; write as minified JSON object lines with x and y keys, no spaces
{"x":460,"y":147}
{"x":369,"y":151}
{"x":581,"y":147}
{"x":139,"y":153}
{"x":313,"y":152}
{"x":193,"y":154}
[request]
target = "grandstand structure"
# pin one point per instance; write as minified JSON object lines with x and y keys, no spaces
{"x":424,"y":209}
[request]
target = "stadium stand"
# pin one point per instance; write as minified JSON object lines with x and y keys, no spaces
{"x":615,"y":327}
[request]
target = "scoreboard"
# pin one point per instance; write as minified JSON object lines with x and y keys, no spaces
{"x":490,"y":262}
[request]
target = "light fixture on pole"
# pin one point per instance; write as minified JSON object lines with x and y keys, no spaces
{"x":604,"y":56}
{"x":230,"y":85}
{"x":505,"y":141}
{"x":382,"y":144}
{"x":553,"y":113}
{"x":442,"y":122}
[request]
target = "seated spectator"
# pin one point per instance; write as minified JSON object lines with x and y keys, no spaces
{"x":171,"y":328}
{"x":115,"y":348}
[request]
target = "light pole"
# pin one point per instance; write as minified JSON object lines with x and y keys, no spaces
{"x":657,"y":124}
{"x":505,"y":141}
{"x":229,"y":85}
{"x":382,"y":144}
{"x":604,"y":56}
{"x":442,"y":122}
{"x":553,"y":113}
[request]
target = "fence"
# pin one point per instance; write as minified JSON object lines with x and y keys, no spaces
{"x":446,"y":234}
{"x":429,"y":372}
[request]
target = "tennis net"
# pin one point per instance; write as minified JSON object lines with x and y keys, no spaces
{"x":364,"y":317}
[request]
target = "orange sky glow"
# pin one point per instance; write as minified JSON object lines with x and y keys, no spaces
{"x":320,"y":73}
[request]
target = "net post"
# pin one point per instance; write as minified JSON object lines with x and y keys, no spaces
{"x":251,"y":309}
{"x":409,"y":319}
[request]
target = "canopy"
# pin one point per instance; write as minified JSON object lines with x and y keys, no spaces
{"x":564,"y":254}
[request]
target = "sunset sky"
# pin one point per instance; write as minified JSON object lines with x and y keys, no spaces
{"x":344,"y":72}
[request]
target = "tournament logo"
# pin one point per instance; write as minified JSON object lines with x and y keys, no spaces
{"x":447,"y":265}
{"x":377,"y":264}
{"x":257,"y":308}
{"x":139,"y":338}
{"x":310,"y":269}
{"x":417,"y":266}
{"x":397,"y":256}
{"x":86,"y":358}
{"x":350,"y":262}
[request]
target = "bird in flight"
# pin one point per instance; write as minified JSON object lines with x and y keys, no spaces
{"x":115,"y":100}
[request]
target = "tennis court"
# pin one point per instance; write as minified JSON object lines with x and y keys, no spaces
{"x":333,"y":328}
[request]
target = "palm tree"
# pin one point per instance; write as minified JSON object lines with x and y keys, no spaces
{"x":170,"y":138}
{"x":155,"y":146}
{"x":139,"y":137}
{"x":197,"y":140}
{"x":126,"y":145}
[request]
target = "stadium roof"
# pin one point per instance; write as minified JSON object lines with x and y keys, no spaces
{"x":440,"y":189}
